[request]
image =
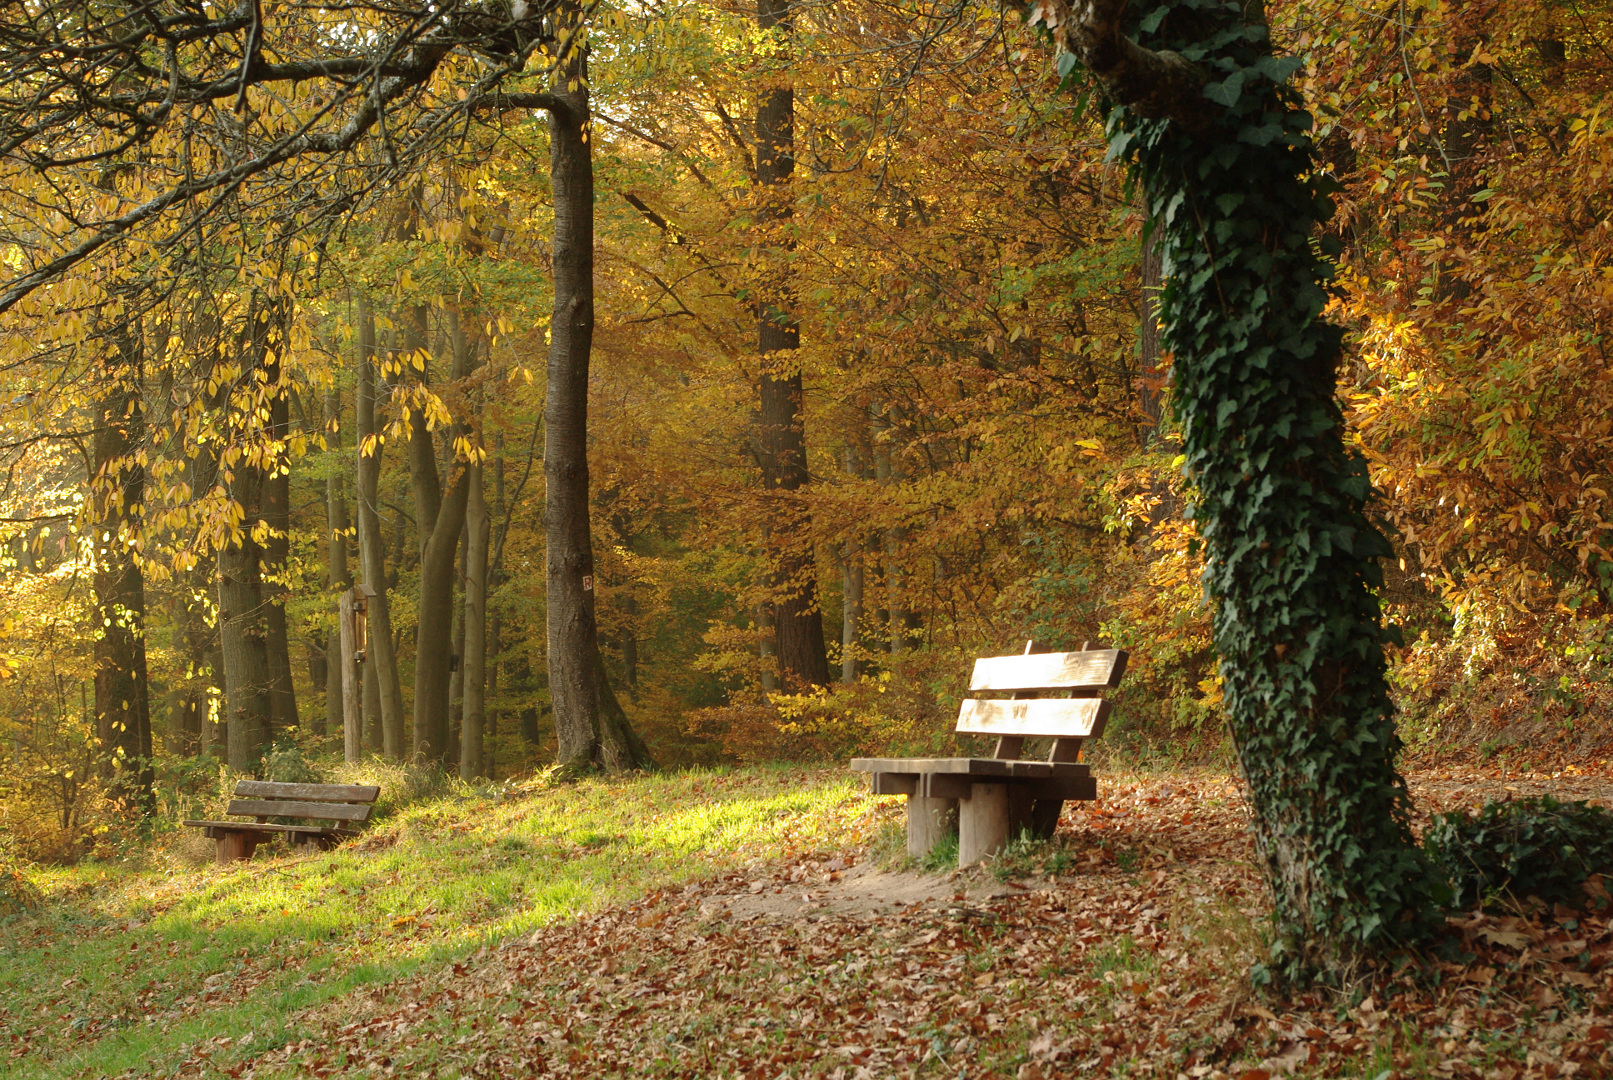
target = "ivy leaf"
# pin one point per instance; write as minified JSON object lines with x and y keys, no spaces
{"x":1227,"y":91}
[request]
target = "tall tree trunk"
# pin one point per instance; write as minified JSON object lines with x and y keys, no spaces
{"x":851,"y":612}
{"x":242,"y":635}
{"x":1150,"y":396}
{"x":341,"y":577}
{"x":478,"y":528}
{"x":122,"y":703}
{"x":886,"y":474}
{"x":243,"y":608}
{"x":781,"y":438}
{"x":1291,"y":556}
{"x":456,"y":674}
{"x":372,"y":547}
{"x":588,"y":721}
{"x":440,"y":518}
{"x":630,"y":642}
{"x":276,"y":549}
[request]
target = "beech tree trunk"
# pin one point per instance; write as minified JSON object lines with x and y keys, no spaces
{"x":439,"y":519}
{"x":478,"y":527}
{"x":372,"y":547}
{"x":781,"y":436}
{"x":242,"y":634}
{"x":276,"y":548}
{"x":122,"y":703}
{"x":341,"y":577}
{"x":589,"y":724}
{"x":851,"y":612}
{"x":243,"y":604}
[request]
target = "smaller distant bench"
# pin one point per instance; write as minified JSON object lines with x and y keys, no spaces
{"x":990,"y":800}
{"x":340,"y":806}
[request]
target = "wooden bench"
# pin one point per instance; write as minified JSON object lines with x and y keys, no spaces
{"x":341,"y":805}
{"x":990,"y":800}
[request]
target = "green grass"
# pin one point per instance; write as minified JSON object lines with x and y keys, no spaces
{"x":130,"y":967}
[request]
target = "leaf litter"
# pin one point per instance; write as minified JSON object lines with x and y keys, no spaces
{"x":1120,"y":948}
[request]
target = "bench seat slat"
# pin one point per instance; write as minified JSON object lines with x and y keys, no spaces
{"x":252,"y":826}
{"x":1096,"y":669}
{"x":288,"y":808}
{"x":339,"y":793}
{"x":983,"y":767}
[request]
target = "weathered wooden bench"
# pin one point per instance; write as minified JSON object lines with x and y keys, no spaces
{"x":990,"y":800}
{"x":341,"y":805}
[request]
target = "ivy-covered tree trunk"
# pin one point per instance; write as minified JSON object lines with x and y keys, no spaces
{"x":1223,"y":150}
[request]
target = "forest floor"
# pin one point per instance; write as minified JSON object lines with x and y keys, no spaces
{"x":762,"y":923}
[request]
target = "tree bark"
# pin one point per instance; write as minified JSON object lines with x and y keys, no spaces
{"x":242,"y":635}
{"x":478,"y":528}
{"x":341,"y":576}
{"x":122,"y":703}
{"x":276,"y":549}
{"x":440,"y":518}
{"x":886,"y":475}
{"x":1150,"y":396}
{"x":851,"y":612}
{"x":588,"y":722}
{"x":781,"y":436}
{"x":372,"y":547}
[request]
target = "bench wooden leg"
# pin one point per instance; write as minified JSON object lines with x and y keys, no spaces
{"x":312,"y":843}
{"x":234,"y":847}
{"x":1029,"y":814}
{"x":929,"y":821}
{"x":982,"y":822}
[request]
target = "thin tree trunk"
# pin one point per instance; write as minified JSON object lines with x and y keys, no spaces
{"x":456,"y":674}
{"x":341,"y":576}
{"x":478,"y":528}
{"x":440,"y":518}
{"x":768,"y":647}
{"x":630,"y":643}
{"x":588,"y":720}
{"x":372,"y":547}
{"x":1150,"y":398}
{"x":886,"y":475}
{"x":122,"y":703}
{"x":781,"y":438}
{"x":242,"y":635}
{"x":851,"y":612}
{"x":276,"y":550}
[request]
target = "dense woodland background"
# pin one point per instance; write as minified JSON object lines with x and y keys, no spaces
{"x":988,"y":453}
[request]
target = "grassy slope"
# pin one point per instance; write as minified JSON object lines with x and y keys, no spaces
{"x":131,"y":967}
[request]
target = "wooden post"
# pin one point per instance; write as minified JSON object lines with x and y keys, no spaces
{"x":928,"y":821}
{"x":982,"y":822}
{"x":354,"y":627}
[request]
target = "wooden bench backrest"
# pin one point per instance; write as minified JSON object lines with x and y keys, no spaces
{"x":330,"y":802}
{"x":1082,"y":675}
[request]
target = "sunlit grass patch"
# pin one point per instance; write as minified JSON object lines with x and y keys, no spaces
{"x":129,"y":967}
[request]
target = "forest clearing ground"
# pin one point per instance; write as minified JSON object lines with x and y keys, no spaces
{"x":1121,"y":948}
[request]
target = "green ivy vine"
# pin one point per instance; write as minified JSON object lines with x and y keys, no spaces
{"x":1291,"y":556}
